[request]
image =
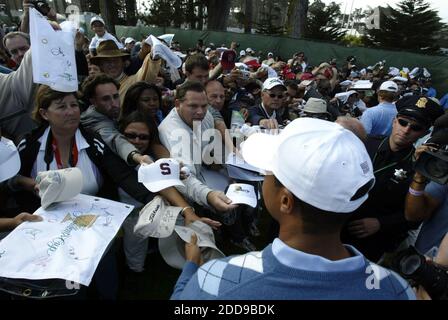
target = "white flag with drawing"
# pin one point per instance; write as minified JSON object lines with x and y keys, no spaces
{"x":68,"y":244}
{"x":53,"y":54}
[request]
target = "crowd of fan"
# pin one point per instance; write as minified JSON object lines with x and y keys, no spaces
{"x":130,"y":101}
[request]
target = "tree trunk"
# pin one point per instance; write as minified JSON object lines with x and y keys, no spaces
{"x":201,"y":15}
{"x":178,"y":14}
{"x":131,"y":12}
{"x":106,"y":14}
{"x":218,"y":14}
{"x":191,"y":16}
{"x":248,"y":15}
{"x":297,"y":17}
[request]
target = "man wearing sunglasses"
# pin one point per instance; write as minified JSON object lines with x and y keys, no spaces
{"x":267,"y":114}
{"x":379,"y":225}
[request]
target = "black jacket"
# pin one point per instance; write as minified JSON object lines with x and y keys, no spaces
{"x":257,"y":113}
{"x":115,"y":171}
{"x":393,"y":173}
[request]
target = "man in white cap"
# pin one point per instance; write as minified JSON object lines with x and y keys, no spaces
{"x":270,"y":60}
{"x":129,"y":44}
{"x":267,"y":113}
{"x":378,"y":120}
{"x":99,"y":27}
{"x":307,"y":260}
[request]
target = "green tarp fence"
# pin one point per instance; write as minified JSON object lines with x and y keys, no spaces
{"x":316,"y":52}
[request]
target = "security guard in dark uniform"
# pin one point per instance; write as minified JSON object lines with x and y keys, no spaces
{"x":379,"y":225}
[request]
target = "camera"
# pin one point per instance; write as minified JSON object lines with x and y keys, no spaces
{"x":245,"y":74}
{"x":413,"y":266}
{"x":434,"y":165}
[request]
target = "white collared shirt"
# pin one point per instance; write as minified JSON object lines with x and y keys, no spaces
{"x":300,"y":260}
{"x":92,"y":179}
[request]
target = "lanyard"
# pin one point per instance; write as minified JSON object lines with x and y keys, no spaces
{"x":73,"y":158}
{"x":391,"y":164}
{"x":266,"y":113}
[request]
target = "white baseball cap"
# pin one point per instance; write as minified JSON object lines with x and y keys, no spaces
{"x":242,"y":53}
{"x":401,"y":79}
{"x":9,"y":159}
{"x":172,"y":248}
{"x":362,"y":85}
{"x":59,"y":185}
{"x":97,"y":18}
{"x":160,"y":175}
{"x":343,"y":96}
{"x":241,"y":193}
{"x":129,"y":40}
{"x":272,"y":83}
{"x":156,"y":219}
{"x":319,"y":161}
{"x":389,"y":86}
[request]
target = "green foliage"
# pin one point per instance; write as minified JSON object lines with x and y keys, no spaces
{"x":162,"y":13}
{"x":353,"y":41}
{"x":321,"y":22}
{"x":412,"y":26}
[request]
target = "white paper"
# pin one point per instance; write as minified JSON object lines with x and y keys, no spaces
{"x":53,"y":54}
{"x":160,"y":49}
{"x":168,"y":38}
{"x":205,"y":239}
{"x":271,"y":72}
{"x":363,"y":84}
{"x":68,"y":244}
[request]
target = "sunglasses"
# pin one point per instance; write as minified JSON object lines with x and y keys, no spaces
{"x":415,"y":127}
{"x":279,"y":96}
{"x":134,"y":136}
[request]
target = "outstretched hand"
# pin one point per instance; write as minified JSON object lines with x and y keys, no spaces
{"x":192,"y":251}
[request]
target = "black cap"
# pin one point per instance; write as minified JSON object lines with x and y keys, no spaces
{"x":421,"y":108}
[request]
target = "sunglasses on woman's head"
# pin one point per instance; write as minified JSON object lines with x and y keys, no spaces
{"x":415,"y":127}
{"x":134,"y":136}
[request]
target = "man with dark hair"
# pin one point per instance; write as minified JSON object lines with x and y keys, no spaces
{"x":379,"y":225}
{"x":197,"y":68}
{"x":307,"y":260}
{"x":101,"y":117}
{"x":191,"y":108}
{"x":188,"y":132}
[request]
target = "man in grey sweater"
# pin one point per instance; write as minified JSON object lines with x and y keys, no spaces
{"x":17,"y":98}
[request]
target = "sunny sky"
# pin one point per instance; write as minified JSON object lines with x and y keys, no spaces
{"x":440,"y":5}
